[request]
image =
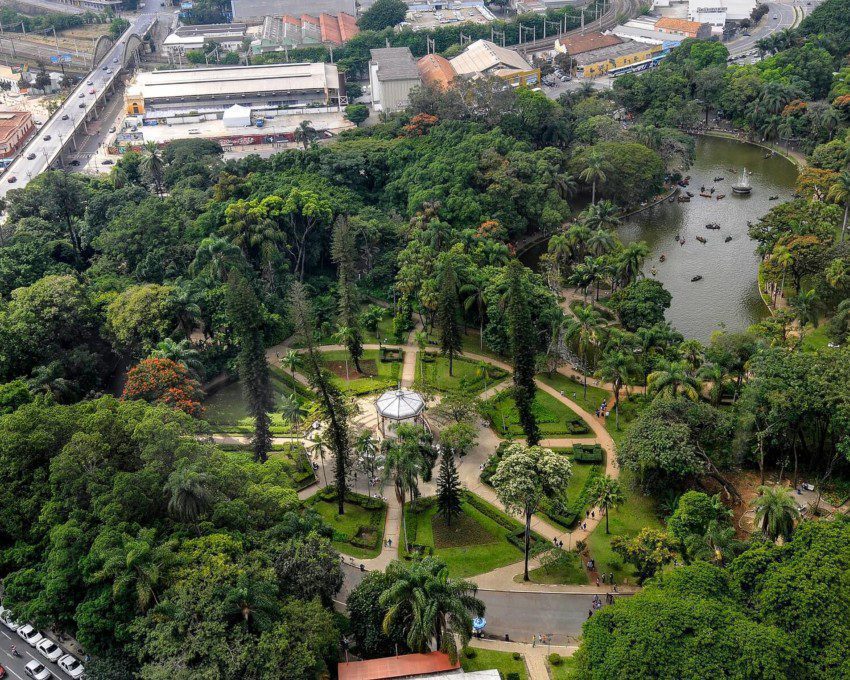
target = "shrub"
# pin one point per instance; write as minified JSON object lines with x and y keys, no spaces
{"x":513,"y":675}
{"x":516,"y":656}
{"x":555,"y":659}
{"x":469,"y":652}
{"x":588,"y":453}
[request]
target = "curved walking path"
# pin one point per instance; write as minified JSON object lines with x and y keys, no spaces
{"x":469,"y":470}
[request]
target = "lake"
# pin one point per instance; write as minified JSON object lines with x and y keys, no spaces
{"x":727,"y":296}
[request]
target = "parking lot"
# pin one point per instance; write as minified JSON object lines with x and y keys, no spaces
{"x":16,"y":666}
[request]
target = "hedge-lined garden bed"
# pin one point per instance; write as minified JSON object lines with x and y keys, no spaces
{"x":433,"y":369}
{"x":554,"y":418}
{"x":359,"y":532}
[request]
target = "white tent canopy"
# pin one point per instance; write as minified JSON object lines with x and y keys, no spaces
{"x":400,"y":404}
{"x":237,"y":116}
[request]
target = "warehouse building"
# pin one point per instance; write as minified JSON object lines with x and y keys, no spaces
{"x":392,"y":75}
{"x":254,"y":11}
{"x":281,"y":33}
{"x":579,"y":44}
{"x":209,"y":91}
{"x":647,"y":36}
{"x":626,"y":57}
{"x":485,"y":58}
{"x":228,"y":37}
{"x":683,"y":28}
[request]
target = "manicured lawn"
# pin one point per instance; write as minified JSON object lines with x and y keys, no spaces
{"x":636,"y":513}
{"x":227,"y":411}
{"x":471,"y":343}
{"x":553,"y":416}
{"x":347,"y":525}
{"x":565,"y":671}
{"x":815,"y":338}
{"x":380,"y":375}
{"x":477,"y":544}
{"x":435,"y":373}
{"x":569,"y":569}
{"x":485,"y":659}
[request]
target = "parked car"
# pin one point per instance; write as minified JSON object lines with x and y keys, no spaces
{"x":90,"y":82}
{"x":30,"y":156}
{"x":81,"y":95}
{"x":65,"y":117}
{"x":115,"y":61}
{"x":74,"y":162}
{"x":3,"y":673}
{"x":37,"y":671}
{"x":12,"y":180}
{"x":30,"y":635}
{"x":47,"y":138}
{"x":91,"y":90}
{"x":72,"y":666}
{"x":49,"y":649}
{"x":6,"y":615}
{"x":108,"y":161}
{"x":82,"y":105}
{"x":109,"y":70}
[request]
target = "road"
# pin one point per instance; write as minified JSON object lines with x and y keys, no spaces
{"x":519,"y":614}
{"x":37,"y":156}
{"x":785,"y":18}
{"x":15,"y":665}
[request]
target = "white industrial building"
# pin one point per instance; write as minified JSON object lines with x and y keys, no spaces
{"x":228,"y":37}
{"x":273,"y":87}
{"x":718,"y":12}
{"x":392,"y":75}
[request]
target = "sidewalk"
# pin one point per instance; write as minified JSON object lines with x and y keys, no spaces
{"x":535,"y":657}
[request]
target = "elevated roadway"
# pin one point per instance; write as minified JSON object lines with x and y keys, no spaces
{"x":58,"y":135}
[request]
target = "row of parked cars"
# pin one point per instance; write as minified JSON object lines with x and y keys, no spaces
{"x":45,"y":646}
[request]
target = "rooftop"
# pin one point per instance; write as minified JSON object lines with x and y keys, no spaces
{"x":400,"y":404}
{"x":646,"y":35}
{"x":402,"y":666}
{"x":257,"y":9}
{"x":585,"y":43}
{"x":675,"y":24}
{"x":483,"y":55}
{"x":211,"y":30}
{"x":394,"y":63}
{"x":10,"y":121}
{"x":435,"y":70}
{"x":626,"y":47}
{"x":223,"y":80}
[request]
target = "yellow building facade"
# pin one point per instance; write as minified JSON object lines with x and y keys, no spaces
{"x":594,"y":69}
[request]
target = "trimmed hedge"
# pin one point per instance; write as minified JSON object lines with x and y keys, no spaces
{"x":588,"y":453}
{"x":570,"y":514}
{"x":514,"y":536}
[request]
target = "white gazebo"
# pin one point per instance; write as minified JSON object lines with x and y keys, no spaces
{"x":399,"y":406}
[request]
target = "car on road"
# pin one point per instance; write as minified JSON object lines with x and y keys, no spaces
{"x":109,"y":70}
{"x":6,"y":614}
{"x":72,"y":666}
{"x":30,"y":156}
{"x":91,"y":90}
{"x":112,"y":129}
{"x":49,"y":650}
{"x":47,"y":138}
{"x":746,"y":33}
{"x":115,"y":61}
{"x":3,"y":673}
{"x":74,"y":162}
{"x":81,"y":95}
{"x":37,"y":671}
{"x":30,"y":635}
{"x":775,"y":16}
{"x":83,"y":105}
{"x":104,"y":68}
{"x":12,"y":180}
{"x":65,"y":117}
{"x":108,"y":162}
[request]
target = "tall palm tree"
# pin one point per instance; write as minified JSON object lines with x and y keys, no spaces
{"x":584,"y":329}
{"x":603,"y":215}
{"x":215,"y":258}
{"x":180,"y":352}
{"x":776,"y":511}
{"x":807,"y":307}
{"x":482,"y":370}
{"x":631,"y":259}
{"x":607,"y":493}
{"x":320,"y":447}
{"x":784,"y":258}
{"x":292,"y":411}
{"x":136,"y":566}
{"x":672,"y":378}
{"x":472,"y":295}
{"x":692,"y":353}
{"x":189,"y":496}
{"x":601,"y":241}
{"x":716,"y":376}
{"x":839,"y":192}
{"x":368,"y":458}
{"x":153,"y":166}
{"x":403,"y":465}
{"x":305,"y":133}
{"x":291,"y":360}
{"x":594,"y":171}
{"x":251,"y":602}
{"x":617,"y":368}
{"x":429,"y":606}
{"x":186,"y":308}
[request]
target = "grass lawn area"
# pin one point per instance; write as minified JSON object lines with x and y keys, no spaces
{"x":471,"y":343}
{"x":815,"y":338}
{"x":565,"y":671}
{"x":485,"y":659}
{"x":347,"y":525}
{"x":554,"y":418}
{"x":227,"y":410}
{"x":477,"y":544}
{"x":636,"y":513}
{"x":568,"y":569}
{"x":435,"y":372}
{"x":378,"y":375}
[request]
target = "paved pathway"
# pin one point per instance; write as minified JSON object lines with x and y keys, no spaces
{"x":535,"y":657}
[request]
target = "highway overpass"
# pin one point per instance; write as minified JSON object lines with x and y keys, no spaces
{"x":47,"y":149}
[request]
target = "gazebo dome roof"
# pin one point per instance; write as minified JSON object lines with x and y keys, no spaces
{"x":400,"y":404}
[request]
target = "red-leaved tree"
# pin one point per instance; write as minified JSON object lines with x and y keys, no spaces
{"x":163,"y":381}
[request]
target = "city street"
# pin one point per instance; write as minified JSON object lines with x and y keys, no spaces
{"x":15,"y":665}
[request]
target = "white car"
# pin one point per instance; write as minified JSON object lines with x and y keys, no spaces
{"x":72,"y":666}
{"x":8,"y":619}
{"x":37,"y":671}
{"x":49,"y":649}
{"x":30,"y":635}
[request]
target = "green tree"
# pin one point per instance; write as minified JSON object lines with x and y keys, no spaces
{"x":246,"y":318}
{"x":776,"y":511}
{"x":357,"y":113}
{"x":308,"y":567}
{"x":189,"y":496}
{"x":382,"y":14}
{"x":342,"y":251}
{"x":153,"y":166}
{"x":523,"y":351}
{"x":607,"y":493}
{"x":524,"y":477}
{"x":403,"y":464}
{"x":641,"y":304}
{"x":649,"y":551}
{"x":584,"y":328}
{"x":305,"y":134}
{"x":617,"y":368}
{"x":595,"y":169}
{"x":447,"y":313}
{"x":672,"y":378}
{"x":428,"y":605}
{"x":839,"y":192}
{"x":448,"y":488}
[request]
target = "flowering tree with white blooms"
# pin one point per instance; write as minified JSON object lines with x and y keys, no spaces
{"x":525,"y":476}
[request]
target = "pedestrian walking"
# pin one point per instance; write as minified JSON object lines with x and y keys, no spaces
{"x":597,"y":582}
{"x":611,"y":576}
{"x":592,"y":514}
